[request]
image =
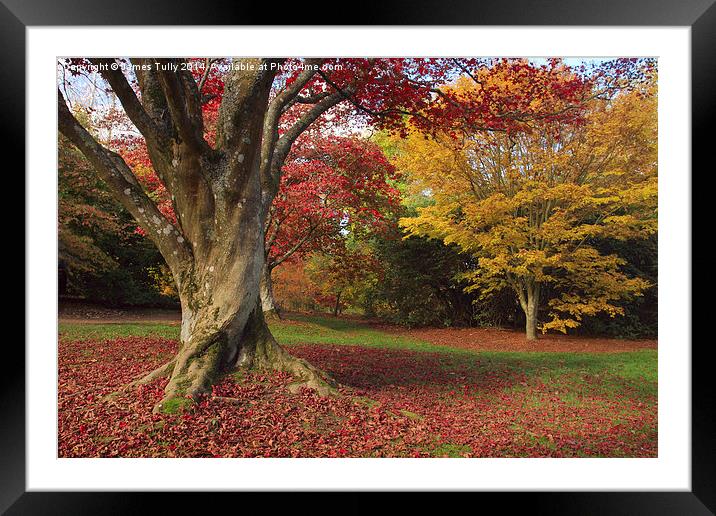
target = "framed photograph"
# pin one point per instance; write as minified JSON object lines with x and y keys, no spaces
{"x":430,"y":250}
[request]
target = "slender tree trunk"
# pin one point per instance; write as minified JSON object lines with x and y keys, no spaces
{"x":268,"y":302}
{"x":531,"y":312}
{"x":531,"y":325}
{"x":529,"y":301}
{"x":337,"y":306}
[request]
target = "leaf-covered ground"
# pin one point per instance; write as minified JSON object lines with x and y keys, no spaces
{"x":401,"y":397}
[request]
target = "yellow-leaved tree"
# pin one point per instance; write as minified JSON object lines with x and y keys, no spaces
{"x":530,"y":203}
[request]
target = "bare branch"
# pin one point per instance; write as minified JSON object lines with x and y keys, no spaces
{"x":466,"y":71}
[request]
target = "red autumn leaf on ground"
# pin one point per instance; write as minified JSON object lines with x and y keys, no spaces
{"x":393,"y":403}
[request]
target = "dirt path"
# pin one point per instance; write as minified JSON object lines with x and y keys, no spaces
{"x":86,"y":313}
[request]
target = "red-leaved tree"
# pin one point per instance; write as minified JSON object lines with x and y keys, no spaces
{"x":330,"y":186}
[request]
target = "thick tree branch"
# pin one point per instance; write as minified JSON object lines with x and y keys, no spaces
{"x":271,"y":171}
{"x":182,"y":169}
{"x":240,"y":126}
{"x":134,"y":109}
{"x":153,"y":99}
{"x":184,"y":104}
{"x":244,"y":103}
{"x":112,"y":169}
{"x":290,"y":92}
{"x":276,"y":108}
{"x":157,"y":137}
{"x":312,"y":99}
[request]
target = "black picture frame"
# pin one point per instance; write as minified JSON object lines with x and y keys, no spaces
{"x":700,"y":15}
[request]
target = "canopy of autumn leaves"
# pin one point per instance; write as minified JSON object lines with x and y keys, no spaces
{"x":522,"y":166}
{"x":82,"y":205}
{"x":329,"y":186}
{"x":530,"y":202}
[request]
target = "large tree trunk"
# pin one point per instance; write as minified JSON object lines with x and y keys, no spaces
{"x":223,"y":325}
{"x":209,"y":350}
{"x":268,"y":302}
{"x":259,"y":350}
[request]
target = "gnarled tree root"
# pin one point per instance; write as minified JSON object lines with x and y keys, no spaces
{"x":261,"y":352}
{"x":163,"y":371}
{"x":212,"y":353}
{"x":272,"y":315}
{"x":273,"y":357}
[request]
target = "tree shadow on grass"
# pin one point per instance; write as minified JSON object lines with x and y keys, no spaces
{"x":371,"y":368}
{"x":331,"y":323}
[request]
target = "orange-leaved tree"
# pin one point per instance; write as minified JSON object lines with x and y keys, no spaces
{"x":531,"y":202}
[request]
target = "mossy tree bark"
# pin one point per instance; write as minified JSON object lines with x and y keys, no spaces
{"x":241,"y":341}
{"x":220,"y":195}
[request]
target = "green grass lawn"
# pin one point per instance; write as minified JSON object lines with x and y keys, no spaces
{"x":636,"y":370}
{"x":102,"y":331}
